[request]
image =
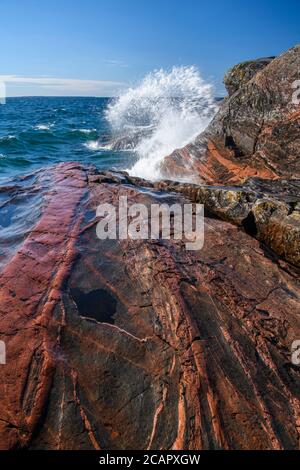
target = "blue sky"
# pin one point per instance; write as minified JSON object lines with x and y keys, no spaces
{"x":98,"y":47}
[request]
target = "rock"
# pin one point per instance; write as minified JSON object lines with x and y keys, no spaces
{"x":268,"y":210}
{"x":124,"y":142}
{"x":131,"y":140}
{"x":254,"y":134}
{"x":241,"y":73}
{"x":278,"y":225}
{"x":141,"y":344}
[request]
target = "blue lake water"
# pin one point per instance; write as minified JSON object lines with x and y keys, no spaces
{"x":39,"y":131}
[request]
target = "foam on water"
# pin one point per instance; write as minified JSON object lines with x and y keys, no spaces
{"x":168,"y":110}
{"x":86,"y":131}
{"x":7,"y":138}
{"x":95,"y":145}
{"x":43,"y":127}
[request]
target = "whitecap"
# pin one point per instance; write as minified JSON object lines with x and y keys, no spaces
{"x":86,"y":131}
{"x":94,"y":145}
{"x":7,"y":137}
{"x":43,"y":127}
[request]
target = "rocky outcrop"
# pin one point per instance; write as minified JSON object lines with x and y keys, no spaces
{"x":268,"y":210}
{"x":241,"y":73}
{"x":122,"y":344}
{"x":256,"y":131}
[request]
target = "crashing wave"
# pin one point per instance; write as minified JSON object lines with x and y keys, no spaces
{"x":165,"y":111}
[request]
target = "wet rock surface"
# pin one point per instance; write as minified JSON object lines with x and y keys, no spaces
{"x":141,"y":344}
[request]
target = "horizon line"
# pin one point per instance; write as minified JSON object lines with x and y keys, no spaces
{"x":59,"y":96}
{"x":219,"y":96}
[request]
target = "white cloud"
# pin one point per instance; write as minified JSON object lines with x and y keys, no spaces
{"x":47,"y":86}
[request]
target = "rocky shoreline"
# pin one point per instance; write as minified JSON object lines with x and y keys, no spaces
{"x":141,"y":344}
{"x":255,"y":132}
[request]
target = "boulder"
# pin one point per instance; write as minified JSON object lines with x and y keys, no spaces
{"x":255,"y":132}
{"x":241,"y":73}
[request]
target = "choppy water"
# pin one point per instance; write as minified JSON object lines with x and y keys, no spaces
{"x":40,"y":131}
{"x":165,"y":111}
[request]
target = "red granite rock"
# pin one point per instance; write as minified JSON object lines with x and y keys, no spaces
{"x":142,"y":344}
{"x":256,"y":131}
